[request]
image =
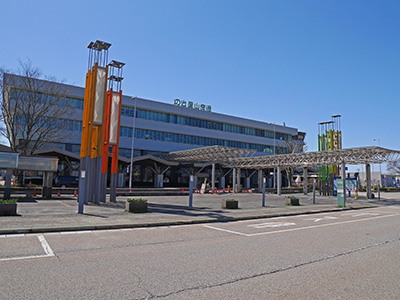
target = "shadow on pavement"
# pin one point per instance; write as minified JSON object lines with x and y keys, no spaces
{"x":26,"y":200}
{"x":185,"y":211}
{"x":93,"y":215}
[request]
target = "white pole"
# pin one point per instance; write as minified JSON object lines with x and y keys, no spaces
{"x":133,"y":138}
{"x":380,"y":169}
{"x":279,"y":181}
{"x":274,"y":154}
{"x":274,"y":139}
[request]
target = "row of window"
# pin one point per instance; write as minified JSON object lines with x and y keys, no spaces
{"x":194,"y":122}
{"x":63,"y":124}
{"x":38,"y":97}
{"x":193,"y":140}
{"x":161,"y":117}
{"x":73,"y":125}
{"x":74,"y":103}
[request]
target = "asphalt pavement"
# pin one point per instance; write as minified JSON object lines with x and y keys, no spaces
{"x":60,"y":213}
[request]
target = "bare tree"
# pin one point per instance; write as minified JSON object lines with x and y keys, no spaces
{"x":394,"y":167}
{"x":34,"y":109}
{"x":289,"y":147}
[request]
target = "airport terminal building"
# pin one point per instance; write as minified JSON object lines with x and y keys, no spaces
{"x":155,"y":128}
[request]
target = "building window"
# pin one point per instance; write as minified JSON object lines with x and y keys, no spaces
{"x":126,"y":132}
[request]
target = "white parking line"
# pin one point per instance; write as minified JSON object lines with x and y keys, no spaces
{"x":299,"y":228}
{"x":226,"y":230}
{"x":321,"y":219}
{"x":271,"y":225}
{"x":46,"y":247}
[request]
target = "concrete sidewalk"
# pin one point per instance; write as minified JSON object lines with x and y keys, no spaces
{"x":60,"y":214}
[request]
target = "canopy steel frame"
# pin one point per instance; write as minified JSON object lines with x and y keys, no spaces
{"x":207,"y":154}
{"x":243,"y":158}
{"x":352,"y":156}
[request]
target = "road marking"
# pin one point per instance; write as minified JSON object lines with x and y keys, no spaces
{"x":46,"y":247}
{"x":365,"y":214}
{"x":321,"y":219}
{"x":300,"y":228}
{"x":225,"y":230}
{"x":360,"y":214}
{"x":271,"y":225}
{"x":388,"y":212}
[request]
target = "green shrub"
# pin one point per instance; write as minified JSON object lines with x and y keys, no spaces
{"x":392,"y":189}
{"x":9,"y":201}
{"x":139,"y":200}
{"x":292,"y":197}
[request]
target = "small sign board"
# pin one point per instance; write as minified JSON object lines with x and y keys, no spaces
{"x":341,"y":195}
{"x":351,"y":184}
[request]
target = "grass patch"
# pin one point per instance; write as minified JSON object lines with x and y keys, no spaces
{"x":138,"y":200}
{"x":9,"y":201}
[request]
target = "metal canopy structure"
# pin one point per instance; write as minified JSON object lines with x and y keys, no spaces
{"x":352,"y":156}
{"x":244,"y":158}
{"x":237,"y":159}
{"x":208,"y":154}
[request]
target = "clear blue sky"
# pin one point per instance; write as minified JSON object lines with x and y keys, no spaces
{"x":295,"y":61}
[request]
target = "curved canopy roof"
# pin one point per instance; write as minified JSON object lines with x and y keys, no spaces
{"x":242,"y":158}
{"x":352,"y":156}
{"x":208,"y":154}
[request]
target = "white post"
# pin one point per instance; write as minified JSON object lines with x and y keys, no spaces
{"x":368,"y":177}
{"x":191,"y":182}
{"x":278,"y":181}
{"x":260,"y":180}
{"x":238,"y":186}
{"x":264,"y":180}
{"x":343,"y":175}
{"x":305,"y":181}
{"x":222,"y":182}
{"x":213,"y":177}
{"x":234,"y":180}
{"x":313,"y":197}
{"x":7,"y":184}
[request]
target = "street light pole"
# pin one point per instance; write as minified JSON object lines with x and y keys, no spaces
{"x":133,"y":138}
{"x":274,"y":154}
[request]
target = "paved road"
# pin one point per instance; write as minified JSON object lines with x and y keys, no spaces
{"x":336,"y":255}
